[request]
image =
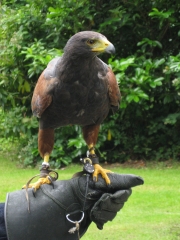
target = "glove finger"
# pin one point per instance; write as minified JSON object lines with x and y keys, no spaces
{"x":115,"y":201}
{"x":118,"y":182}
{"x":106,"y":208}
{"x":121,"y":196}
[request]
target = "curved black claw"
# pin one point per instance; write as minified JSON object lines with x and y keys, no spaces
{"x":33,"y":191}
{"x":51,"y":180}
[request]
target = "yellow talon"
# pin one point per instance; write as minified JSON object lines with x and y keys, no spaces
{"x":37,"y":184}
{"x":41,"y":180}
{"x":103,"y":172}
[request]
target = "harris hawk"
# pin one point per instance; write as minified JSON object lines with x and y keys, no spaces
{"x":77,"y":88}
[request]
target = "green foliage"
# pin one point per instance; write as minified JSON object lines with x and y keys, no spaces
{"x":147,"y":67}
{"x":150,"y":95}
{"x":15,"y":123}
{"x":37,"y":57}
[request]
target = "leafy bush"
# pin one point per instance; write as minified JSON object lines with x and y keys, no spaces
{"x":15,"y":123}
{"x":153,"y":99}
{"x":146,"y":36}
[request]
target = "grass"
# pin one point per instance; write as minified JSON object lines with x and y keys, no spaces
{"x":152,"y":211}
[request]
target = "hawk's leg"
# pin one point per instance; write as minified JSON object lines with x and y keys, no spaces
{"x":45,"y":146}
{"x":90,"y":134}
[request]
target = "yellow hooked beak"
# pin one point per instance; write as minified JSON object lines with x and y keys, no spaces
{"x":103,"y":45}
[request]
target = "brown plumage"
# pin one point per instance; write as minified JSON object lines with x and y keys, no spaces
{"x":77,"y":88}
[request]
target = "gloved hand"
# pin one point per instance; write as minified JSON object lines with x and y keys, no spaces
{"x":50,"y":208}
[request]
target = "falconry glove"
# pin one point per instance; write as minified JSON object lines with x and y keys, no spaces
{"x":49,"y":208}
{"x":106,"y":208}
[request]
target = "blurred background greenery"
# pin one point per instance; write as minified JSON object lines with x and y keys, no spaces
{"x":146,"y":35}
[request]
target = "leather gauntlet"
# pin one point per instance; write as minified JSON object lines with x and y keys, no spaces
{"x":46,"y":218}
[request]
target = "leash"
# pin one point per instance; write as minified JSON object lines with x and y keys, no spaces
{"x":52,"y":176}
{"x":88,"y":169}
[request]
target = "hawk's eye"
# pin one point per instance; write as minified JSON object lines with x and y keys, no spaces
{"x":90,"y":41}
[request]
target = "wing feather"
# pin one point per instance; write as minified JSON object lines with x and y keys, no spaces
{"x":113,"y":90}
{"x":42,"y":96}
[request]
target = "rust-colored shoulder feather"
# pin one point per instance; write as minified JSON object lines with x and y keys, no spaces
{"x":42,"y":96}
{"x":113,"y":90}
{"x":40,"y":100}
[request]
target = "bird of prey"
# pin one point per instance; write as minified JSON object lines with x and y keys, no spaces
{"x":77,"y":88}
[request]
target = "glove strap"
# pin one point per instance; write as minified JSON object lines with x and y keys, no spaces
{"x":94,"y":158}
{"x":88,"y":169}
